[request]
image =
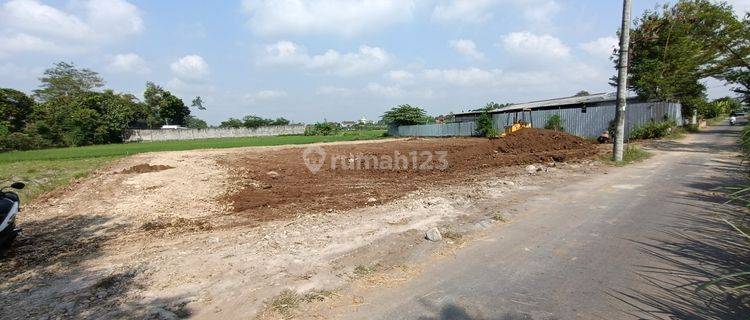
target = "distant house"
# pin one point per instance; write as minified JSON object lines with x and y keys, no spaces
{"x":348,"y":124}
{"x":364,"y":120}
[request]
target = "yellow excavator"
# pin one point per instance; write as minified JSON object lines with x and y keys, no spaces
{"x":519,"y":124}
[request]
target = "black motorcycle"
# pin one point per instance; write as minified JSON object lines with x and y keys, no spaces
{"x":10,"y":205}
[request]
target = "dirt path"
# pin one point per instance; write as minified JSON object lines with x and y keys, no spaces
{"x":153,"y":235}
{"x":632,"y":244}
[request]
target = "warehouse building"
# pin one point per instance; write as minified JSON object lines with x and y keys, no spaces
{"x":585,"y":116}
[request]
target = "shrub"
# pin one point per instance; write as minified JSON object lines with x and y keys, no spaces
{"x":692,"y":128}
{"x":23,"y":141}
{"x":745,"y":142}
{"x":653,"y":130}
{"x":484,"y":124}
{"x":322,"y":129}
{"x":554,"y":123}
{"x":492,"y":133}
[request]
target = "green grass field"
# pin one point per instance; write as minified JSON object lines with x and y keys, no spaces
{"x":44,"y":170}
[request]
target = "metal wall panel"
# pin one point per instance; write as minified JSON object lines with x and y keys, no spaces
{"x":459,"y":129}
{"x":590,"y":123}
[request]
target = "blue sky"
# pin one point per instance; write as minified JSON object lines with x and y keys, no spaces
{"x":323,"y":59}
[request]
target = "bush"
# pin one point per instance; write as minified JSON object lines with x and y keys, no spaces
{"x":745,"y":142}
{"x":323,"y":129}
{"x":484,"y":124}
{"x":653,"y":130}
{"x":554,"y":123}
{"x":492,"y":133}
{"x":693,"y":128}
{"x":23,"y":141}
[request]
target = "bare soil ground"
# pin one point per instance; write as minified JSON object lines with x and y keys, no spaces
{"x":277,"y":185}
{"x":215,"y":233}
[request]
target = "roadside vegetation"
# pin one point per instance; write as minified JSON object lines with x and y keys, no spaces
{"x":554,"y":123}
{"x":737,"y":284}
{"x":47,"y":169}
{"x":485,"y":127}
{"x":631,"y":154}
{"x":653,"y":130}
{"x":672,"y":55}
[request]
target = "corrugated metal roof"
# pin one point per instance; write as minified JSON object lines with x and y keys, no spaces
{"x":592,"y":98}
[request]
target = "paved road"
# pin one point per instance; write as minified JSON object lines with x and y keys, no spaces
{"x":631,"y":244}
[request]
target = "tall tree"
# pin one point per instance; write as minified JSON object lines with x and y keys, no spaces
{"x":255,"y":121}
{"x":675,"y":47}
{"x":168,"y":108}
{"x":405,"y":114}
{"x":65,"y":81}
{"x":195,"y":123}
{"x":231,"y":123}
{"x":15,"y":108}
{"x":735,"y":63}
{"x":91,"y":118}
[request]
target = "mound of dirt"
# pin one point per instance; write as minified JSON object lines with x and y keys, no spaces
{"x":145,"y":168}
{"x":540,"y":140}
{"x":346,"y":179}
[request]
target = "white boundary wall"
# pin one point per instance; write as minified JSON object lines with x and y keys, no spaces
{"x":210,"y":133}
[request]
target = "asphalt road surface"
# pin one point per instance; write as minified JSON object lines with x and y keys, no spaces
{"x":630,"y":244}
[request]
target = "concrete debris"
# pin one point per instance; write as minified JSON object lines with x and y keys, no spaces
{"x":433,"y":235}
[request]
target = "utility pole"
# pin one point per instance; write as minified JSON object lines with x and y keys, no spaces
{"x":622,"y":82}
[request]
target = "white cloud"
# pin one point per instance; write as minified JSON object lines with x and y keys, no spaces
{"x":339,"y":17}
{"x":264,"y":95}
{"x":128,"y":63}
{"x":530,"y":45}
{"x":332,"y":90}
{"x":270,"y":94}
{"x":537,"y":12}
{"x":110,"y":18}
{"x":741,"y":7}
{"x":21,"y":42}
{"x":602,"y":47}
{"x":382,"y":90}
{"x":285,"y":53}
{"x":190,"y":67}
{"x":400,"y":76}
{"x":14,"y":71}
{"x":100,"y":22}
{"x":467,"y":48}
{"x":471,"y":11}
{"x":540,"y":13}
{"x":367,"y":59}
{"x":464,"y":77}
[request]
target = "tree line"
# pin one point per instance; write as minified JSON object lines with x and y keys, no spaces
{"x":676,"y":47}
{"x":71,"y":107}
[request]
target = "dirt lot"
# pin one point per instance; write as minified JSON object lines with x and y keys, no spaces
{"x":278,"y":185}
{"x":217,"y":232}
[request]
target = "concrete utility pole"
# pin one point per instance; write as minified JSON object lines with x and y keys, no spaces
{"x":622,"y":82}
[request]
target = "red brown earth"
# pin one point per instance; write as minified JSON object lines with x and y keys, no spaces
{"x":279,"y":185}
